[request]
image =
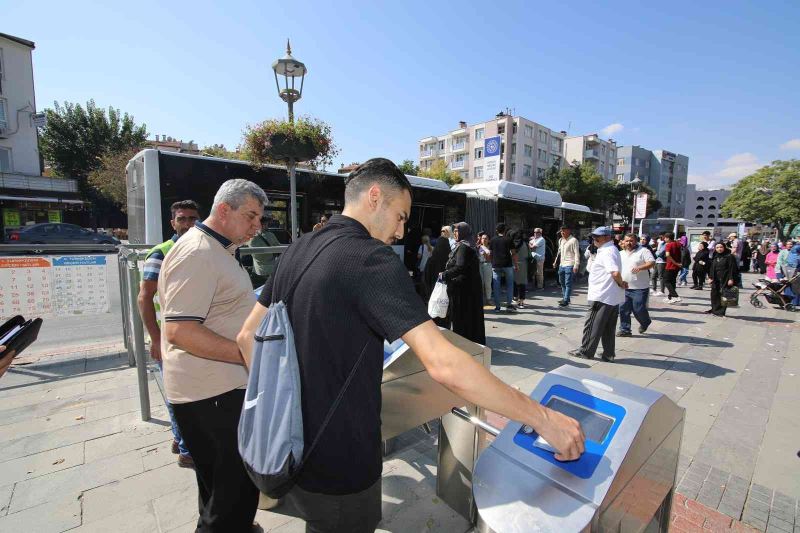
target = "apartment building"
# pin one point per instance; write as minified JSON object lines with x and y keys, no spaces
{"x":663,"y":171}
{"x":703,"y":206}
{"x":592,"y":149}
{"x":527,"y":149}
{"x":171,"y":144}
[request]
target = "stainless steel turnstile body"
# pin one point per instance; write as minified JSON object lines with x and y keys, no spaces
{"x":624,"y":482}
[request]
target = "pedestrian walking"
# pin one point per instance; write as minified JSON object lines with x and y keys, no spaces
{"x":700,"y":266}
{"x":672,"y":266}
{"x":463,"y":278}
{"x":636,"y":263}
{"x":485,"y":258}
{"x":339,"y":486}
{"x":606,"y":293}
{"x":184,"y":215}
{"x":723,"y":274}
{"x":686,"y":261}
{"x":568,"y":259}
{"x":659,"y":271}
{"x":523,"y":252}
{"x":783,"y":256}
{"x":538,"y":246}
{"x":206,"y":295}
{"x":504,"y":263}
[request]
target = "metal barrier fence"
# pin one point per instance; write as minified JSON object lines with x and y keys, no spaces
{"x":129,"y":256}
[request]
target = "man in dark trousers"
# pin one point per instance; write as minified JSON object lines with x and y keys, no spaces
{"x":504,"y":263}
{"x":339,"y":487}
{"x":672,"y":258}
{"x":606,"y":293}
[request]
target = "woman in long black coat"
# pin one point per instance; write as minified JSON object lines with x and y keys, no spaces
{"x":700,"y":266}
{"x":463,"y":278}
{"x":723,"y":274}
{"x":436,"y":265}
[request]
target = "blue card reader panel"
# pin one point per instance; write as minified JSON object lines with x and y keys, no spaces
{"x":599,"y":420}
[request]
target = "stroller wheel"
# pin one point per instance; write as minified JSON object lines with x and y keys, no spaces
{"x":755,"y":302}
{"x":789,"y":307}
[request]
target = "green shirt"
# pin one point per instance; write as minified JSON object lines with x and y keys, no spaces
{"x":264,"y":264}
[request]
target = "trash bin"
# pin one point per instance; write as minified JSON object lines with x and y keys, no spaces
{"x":623,"y":482}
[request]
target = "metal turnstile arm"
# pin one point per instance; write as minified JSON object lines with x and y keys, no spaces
{"x":475,"y":421}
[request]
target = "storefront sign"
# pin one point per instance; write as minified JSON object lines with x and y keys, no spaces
{"x":11,"y":218}
{"x":54,"y":216}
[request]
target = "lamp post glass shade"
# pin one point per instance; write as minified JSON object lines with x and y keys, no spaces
{"x":289,"y":68}
{"x":635,"y":184}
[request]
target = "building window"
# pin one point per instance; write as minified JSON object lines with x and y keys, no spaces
{"x":712,"y":216}
{"x":514,"y":128}
{"x":542,"y":155}
{"x":647,"y":164}
{"x":5,"y":160}
{"x":711,"y":224}
{"x":712,"y":198}
{"x":603,"y":149}
{"x":479,"y":134}
{"x":602,"y":167}
{"x":528,"y":150}
{"x":543,"y":136}
{"x":700,"y":199}
{"x":620,"y":161}
{"x":513,"y":148}
{"x":712,"y":208}
{"x":478,"y":153}
{"x":501,"y":129}
{"x":513,"y":169}
{"x":526,"y":170}
{"x":528,"y":131}
{"x":441,"y":145}
{"x":699,"y":208}
{"x":540,"y":173}
{"x":3,"y":114}
{"x":610,"y":170}
{"x":2,"y":71}
{"x":478,"y":172}
{"x":620,"y":177}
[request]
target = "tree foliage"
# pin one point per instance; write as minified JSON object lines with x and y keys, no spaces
{"x":440,"y":171}
{"x":408,"y":167}
{"x":770,"y":195}
{"x":219,"y":150}
{"x":109,"y":178}
{"x":77,"y":141}
{"x":582,"y":184}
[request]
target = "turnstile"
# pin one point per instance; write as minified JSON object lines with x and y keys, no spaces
{"x":623,"y":482}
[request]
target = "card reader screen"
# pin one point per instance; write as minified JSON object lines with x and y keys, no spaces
{"x":595,"y":426}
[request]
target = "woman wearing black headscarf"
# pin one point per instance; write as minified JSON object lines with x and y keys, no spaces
{"x":463,"y":277}
{"x":723,"y":275}
{"x":700,"y":266}
{"x":435,"y":265}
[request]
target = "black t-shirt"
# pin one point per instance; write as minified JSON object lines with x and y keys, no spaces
{"x":356,"y":294}
{"x":501,"y":246}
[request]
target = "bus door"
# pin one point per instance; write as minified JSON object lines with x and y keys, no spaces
{"x":279,"y":218}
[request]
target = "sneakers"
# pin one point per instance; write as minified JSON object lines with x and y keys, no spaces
{"x":675,"y":300}
{"x":624,"y":334}
{"x":642,"y":329}
{"x":175,"y":448}
{"x":562,"y":303}
{"x":607,"y":358}
{"x":577,"y":353}
{"x":185,"y":461}
{"x":657,"y":293}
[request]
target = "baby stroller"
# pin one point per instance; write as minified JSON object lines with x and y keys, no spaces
{"x":773,"y":292}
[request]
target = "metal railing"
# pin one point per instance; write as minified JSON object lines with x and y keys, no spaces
{"x":132,"y":325}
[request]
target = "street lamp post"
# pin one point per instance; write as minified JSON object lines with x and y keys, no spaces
{"x":290,"y":69}
{"x":635,"y":184}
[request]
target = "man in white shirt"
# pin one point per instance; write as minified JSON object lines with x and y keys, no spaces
{"x":538,"y":245}
{"x":606,"y":293}
{"x":569,"y":254}
{"x":636,"y":262}
{"x":660,"y":267}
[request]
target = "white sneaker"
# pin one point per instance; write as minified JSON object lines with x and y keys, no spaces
{"x":676,"y":300}
{"x":667,"y":301}
{"x":659,"y":293}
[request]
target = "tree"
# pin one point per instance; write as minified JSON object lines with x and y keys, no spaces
{"x":76,"y":140}
{"x":770,"y":195}
{"x":440,"y":171}
{"x":408,"y":167}
{"x":580,"y":184}
{"x":109,"y":178}
{"x":619,"y":200}
{"x":219,"y":150}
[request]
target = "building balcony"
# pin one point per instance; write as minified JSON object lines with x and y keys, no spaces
{"x":459,"y":147}
{"x":592,"y":139}
{"x":591,"y":154}
{"x":13,"y":180}
{"x":457,"y":165}
{"x":425,"y":154}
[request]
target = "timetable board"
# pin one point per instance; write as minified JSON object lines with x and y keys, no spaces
{"x":53,"y":285}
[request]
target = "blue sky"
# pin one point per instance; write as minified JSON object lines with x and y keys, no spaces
{"x":717,"y":81}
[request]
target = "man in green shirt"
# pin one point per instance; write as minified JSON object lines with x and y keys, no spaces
{"x":264,"y":264}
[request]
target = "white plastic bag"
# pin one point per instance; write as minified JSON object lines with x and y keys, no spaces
{"x":439,"y":302}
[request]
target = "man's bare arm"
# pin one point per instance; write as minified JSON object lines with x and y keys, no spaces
{"x":196,"y":339}
{"x":645,"y":266}
{"x":147,"y":290}
{"x":245,"y":337}
{"x":459,"y":372}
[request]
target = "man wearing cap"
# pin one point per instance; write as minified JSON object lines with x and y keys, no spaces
{"x":569,"y":253}
{"x":537,"y":245}
{"x":606,"y":293}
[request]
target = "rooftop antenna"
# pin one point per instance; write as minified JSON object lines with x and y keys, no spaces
{"x":569,"y":127}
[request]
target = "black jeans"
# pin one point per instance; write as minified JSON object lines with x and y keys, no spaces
{"x":670,"y":279}
{"x":227,"y":498}
{"x":338,"y":513}
{"x":657,"y":274}
{"x":716,"y":299}
{"x":698,"y":277}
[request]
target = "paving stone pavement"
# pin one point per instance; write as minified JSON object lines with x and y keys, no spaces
{"x":78,"y":457}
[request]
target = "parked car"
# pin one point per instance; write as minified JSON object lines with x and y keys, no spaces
{"x":49,"y":233}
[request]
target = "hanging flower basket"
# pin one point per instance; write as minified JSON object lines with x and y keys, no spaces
{"x":275,"y":141}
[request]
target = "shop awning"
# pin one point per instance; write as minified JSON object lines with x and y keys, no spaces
{"x":41,"y":199}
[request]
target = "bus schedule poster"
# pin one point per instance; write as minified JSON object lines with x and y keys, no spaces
{"x":53,"y":285}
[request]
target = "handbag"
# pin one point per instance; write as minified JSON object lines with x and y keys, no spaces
{"x":439,"y":302}
{"x":730,"y":296}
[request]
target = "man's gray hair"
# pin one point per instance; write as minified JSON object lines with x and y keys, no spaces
{"x":236,"y":192}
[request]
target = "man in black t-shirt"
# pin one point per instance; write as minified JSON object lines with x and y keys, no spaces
{"x":339,"y":488}
{"x":504,"y":263}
